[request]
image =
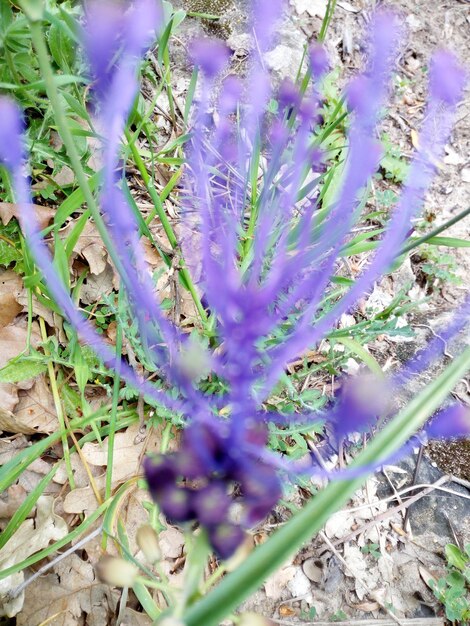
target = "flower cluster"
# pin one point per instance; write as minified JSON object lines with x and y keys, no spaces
{"x":194,"y":483}
{"x":259,"y":244}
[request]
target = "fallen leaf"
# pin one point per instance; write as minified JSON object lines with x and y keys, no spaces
{"x":11,"y":501}
{"x":43,"y":214}
{"x":97,"y":285}
{"x":11,"y":286}
{"x":32,"y":536}
{"x":71,"y":595}
{"x":36,"y":407}
{"x":128,"y":452}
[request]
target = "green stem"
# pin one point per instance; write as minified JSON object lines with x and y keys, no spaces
{"x":414,"y":243}
{"x":114,"y":408}
{"x":238,"y":585}
{"x":330,"y":9}
{"x":37,"y":36}
{"x":58,"y":407}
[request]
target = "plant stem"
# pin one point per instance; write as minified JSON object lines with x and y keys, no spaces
{"x":58,"y":407}
{"x":37,"y":36}
{"x":414,"y":243}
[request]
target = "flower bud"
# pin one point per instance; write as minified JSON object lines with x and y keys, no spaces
{"x":116,"y":572}
{"x":225,"y":539}
{"x":147,"y":540}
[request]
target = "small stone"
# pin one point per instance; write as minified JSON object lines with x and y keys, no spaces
{"x":312,"y":571}
{"x":465,"y":174}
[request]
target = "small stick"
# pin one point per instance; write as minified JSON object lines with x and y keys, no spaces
{"x":60,"y":557}
{"x":415,"y":478}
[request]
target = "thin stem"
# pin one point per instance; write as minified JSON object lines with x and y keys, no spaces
{"x":330,"y":9}
{"x":414,"y":243}
{"x":37,"y":36}
{"x":58,"y":407}
{"x":114,"y":407}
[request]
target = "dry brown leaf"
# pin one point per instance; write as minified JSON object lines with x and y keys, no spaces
{"x":11,"y":286}
{"x":96,"y":286}
{"x":33,"y":535}
{"x":90,"y":246}
{"x":71,"y":595}
{"x":9,"y":448}
{"x":128,"y":452}
{"x":9,"y":423}
{"x":13,"y":340}
{"x":8,"y":397}
{"x":43,"y":214}
{"x":38,"y":308}
{"x":11,"y":500}
{"x":36,"y":407}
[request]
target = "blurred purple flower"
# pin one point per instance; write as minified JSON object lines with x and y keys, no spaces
{"x":255,"y":275}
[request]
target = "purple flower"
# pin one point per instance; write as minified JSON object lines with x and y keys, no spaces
{"x":263,"y":260}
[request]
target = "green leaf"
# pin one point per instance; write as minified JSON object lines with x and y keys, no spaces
{"x":456,"y":557}
{"x":16,"y":371}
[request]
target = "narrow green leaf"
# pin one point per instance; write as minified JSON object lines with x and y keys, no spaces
{"x":23,"y":369}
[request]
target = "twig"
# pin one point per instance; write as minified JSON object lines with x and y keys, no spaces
{"x":390,"y":512}
{"x":60,"y":557}
{"x":415,"y":477}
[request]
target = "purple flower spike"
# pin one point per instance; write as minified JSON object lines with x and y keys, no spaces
{"x":210,"y":55}
{"x":319,"y":63}
{"x":11,"y":128}
{"x":263,"y":253}
{"x":447,"y":78}
{"x":226,"y":538}
{"x":453,"y":422}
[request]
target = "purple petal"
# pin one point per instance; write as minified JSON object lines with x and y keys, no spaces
{"x":319,"y":63}
{"x":452,"y":422}
{"x":225,"y":539}
{"x":211,"y":504}
{"x":447,"y":78}
{"x":210,"y":55}
{"x":11,"y":129}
